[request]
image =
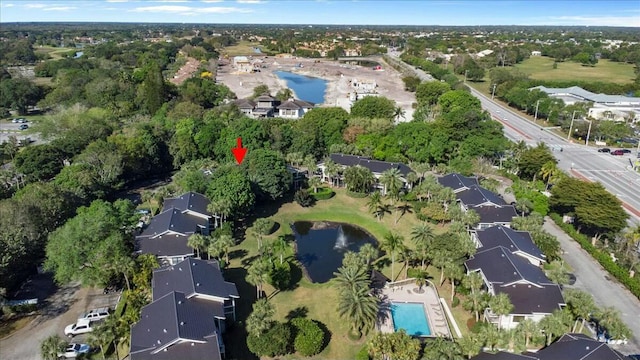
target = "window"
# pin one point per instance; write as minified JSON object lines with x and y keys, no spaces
{"x":518,"y":318}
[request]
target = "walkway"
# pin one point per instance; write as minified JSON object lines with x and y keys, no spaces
{"x":606,"y":291}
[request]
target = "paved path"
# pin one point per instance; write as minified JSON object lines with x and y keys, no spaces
{"x":606,"y":291}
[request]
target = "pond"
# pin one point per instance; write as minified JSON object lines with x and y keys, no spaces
{"x":321,"y":245}
{"x":306,"y":88}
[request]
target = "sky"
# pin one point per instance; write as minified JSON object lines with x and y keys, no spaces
{"x":330,"y":12}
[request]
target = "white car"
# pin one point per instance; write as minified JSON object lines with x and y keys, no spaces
{"x":81,"y":327}
{"x":95,"y":314}
{"x":73,"y":350}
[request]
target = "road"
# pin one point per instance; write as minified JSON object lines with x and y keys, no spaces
{"x":613,"y":172}
{"x":606,"y":291}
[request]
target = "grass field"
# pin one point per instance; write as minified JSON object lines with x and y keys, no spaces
{"x":55,"y":52}
{"x":317,"y":301}
{"x":541,"y":68}
{"x":242,"y":48}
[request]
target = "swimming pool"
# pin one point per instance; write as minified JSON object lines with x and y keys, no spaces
{"x":410,"y":317}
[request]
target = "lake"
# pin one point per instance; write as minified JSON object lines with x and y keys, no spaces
{"x":306,"y":88}
{"x":321,"y":245}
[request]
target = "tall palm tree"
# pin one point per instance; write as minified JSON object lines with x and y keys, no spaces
{"x":261,"y":228}
{"x":369,"y":252}
{"x":260,"y":319}
{"x":197,"y":242}
{"x":421,"y":169}
{"x":125,"y":265}
{"x":51,"y":347}
{"x":315,"y":183}
{"x":398,"y":113}
{"x":474,"y":282}
{"x":214,"y":249}
{"x":412,"y":178}
{"x":310,"y":164}
{"x":392,"y":244}
{"x":500,"y":305}
{"x":226,"y":242}
{"x":382,"y":210}
{"x":547,"y":171}
{"x":555,"y":324}
{"x":422,"y":234}
{"x":360,"y":308}
{"x":406,"y":256}
{"x":258,"y":274}
{"x":375,"y":200}
{"x":392,"y":181}
{"x":104,"y":335}
{"x":351,"y":278}
{"x":332,"y":170}
{"x":281,"y":247}
{"x":453,"y":271}
{"x":528,"y":328}
{"x":470,"y":345}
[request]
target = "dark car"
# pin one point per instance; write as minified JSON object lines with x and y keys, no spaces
{"x":604,"y":150}
{"x":617,"y":152}
{"x":24,"y":127}
{"x":626,"y":151}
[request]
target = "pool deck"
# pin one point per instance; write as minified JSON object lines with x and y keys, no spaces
{"x":408,"y":292}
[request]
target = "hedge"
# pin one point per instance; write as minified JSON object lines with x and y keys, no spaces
{"x":356,"y":195}
{"x":633,"y":284}
{"x":322,"y":194}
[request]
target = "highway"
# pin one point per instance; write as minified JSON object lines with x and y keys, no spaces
{"x":613,"y":172}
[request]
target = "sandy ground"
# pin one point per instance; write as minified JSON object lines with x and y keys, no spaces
{"x":338,"y":76}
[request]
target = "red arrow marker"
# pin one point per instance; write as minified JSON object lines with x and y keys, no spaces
{"x":239,"y":152}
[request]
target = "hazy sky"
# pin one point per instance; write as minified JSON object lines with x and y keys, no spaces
{"x":352,"y":12}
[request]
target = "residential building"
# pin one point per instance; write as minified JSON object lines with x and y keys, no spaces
{"x":477,"y":196}
{"x":532,"y":294}
{"x":266,"y":106}
{"x":242,"y":64}
{"x":294,"y":109}
{"x":377,"y":167}
{"x":568,"y":347}
{"x":536,"y":53}
{"x":167,"y":234}
{"x":495,"y":215}
{"x":517,"y":242}
{"x":458,"y":182}
{"x":185,"y":320}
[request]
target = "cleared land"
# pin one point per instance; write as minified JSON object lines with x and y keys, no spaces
{"x":541,"y":68}
{"x":242,"y":48}
{"x":318,"y":301}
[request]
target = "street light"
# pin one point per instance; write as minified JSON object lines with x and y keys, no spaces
{"x":493,"y":93}
{"x":535,"y":117}
{"x":588,"y":131}
{"x":573,"y":116}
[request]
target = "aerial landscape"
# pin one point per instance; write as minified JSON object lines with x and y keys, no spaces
{"x":327,"y":180}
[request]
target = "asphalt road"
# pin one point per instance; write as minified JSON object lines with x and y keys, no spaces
{"x":606,"y":291}
{"x":613,"y":172}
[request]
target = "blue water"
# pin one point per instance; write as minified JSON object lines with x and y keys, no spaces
{"x":305,"y":87}
{"x":411,"y":317}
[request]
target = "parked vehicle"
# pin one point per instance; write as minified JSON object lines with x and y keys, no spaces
{"x":95,"y":314}
{"x":626,"y":151}
{"x":604,"y":150}
{"x":73,"y":350}
{"x":24,"y":127}
{"x":81,"y":327}
{"x":617,"y":152}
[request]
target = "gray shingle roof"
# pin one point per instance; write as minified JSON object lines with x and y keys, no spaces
{"x":527,"y":299}
{"x":501,"y":355}
{"x":579,"y":347}
{"x":457,"y":182}
{"x":190,"y":201}
{"x":496,"y":214}
{"x":173,"y":318}
{"x":296,"y":104}
{"x":245,"y":104}
{"x":476,"y":195}
{"x":501,"y":267}
{"x":579,"y":92}
{"x":376,"y":166}
{"x":264,"y":98}
{"x":193,"y":276}
{"x":164,"y":245}
{"x":511,"y":239}
{"x":173,"y":220}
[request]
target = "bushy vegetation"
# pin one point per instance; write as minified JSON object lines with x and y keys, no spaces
{"x":309,"y":337}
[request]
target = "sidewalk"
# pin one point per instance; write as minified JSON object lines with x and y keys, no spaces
{"x":605,"y":289}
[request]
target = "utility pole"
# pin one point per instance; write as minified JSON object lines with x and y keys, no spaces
{"x":493,"y":92}
{"x":588,"y":132}
{"x":535,"y":117}
{"x":571,"y":126}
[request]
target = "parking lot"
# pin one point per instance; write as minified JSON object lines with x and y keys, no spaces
{"x":8,"y":128}
{"x":60,"y":309}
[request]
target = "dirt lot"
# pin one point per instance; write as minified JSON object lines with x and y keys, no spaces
{"x":338,"y":75}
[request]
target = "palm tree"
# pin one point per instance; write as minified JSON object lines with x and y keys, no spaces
{"x":258,"y":274}
{"x":412,"y":178}
{"x":197,"y":242}
{"x":315,"y":183}
{"x":310,"y":164}
{"x":358,"y":179}
{"x":402,"y":209}
{"x":392,"y":244}
{"x":474,"y":282}
{"x":359,"y":308}
{"x":470,"y":345}
{"x":555,"y":324}
{"x":500,"y":305}
{"x":280,"y":246}
{"x":104,"y":335}
{"x":294,"y":158}
{"x":260,"y":319}
{"x":369,"y":252}
{"x":528,"y":328}
{"x":124,"y":265}
{"x":557,"y":273}
{"x":51,"y":347}
{"x":382,"y":210}
{"x":524,"y":206}
{"x":490,"y":336}
{"x":226,"y":242}
{"x":453,"y":271}
{"x":375,"y":200}
{"x":351,"y":278}
{"x":332,"y":170}
{"x":421,"y":279}
{"x":421,"y":169}
{"x":392,"y":181}
{"x":547,"y":171}
{"x":261,"y":227}
{"x":512,"y":340}
{"x":406,"y":256}
{"x":398,"y":113}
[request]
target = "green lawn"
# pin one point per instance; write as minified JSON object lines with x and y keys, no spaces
{"x":317,"y":301}
{"x":242,"y":48}
{"x":541,"y":68}
{"x":55,"y":52}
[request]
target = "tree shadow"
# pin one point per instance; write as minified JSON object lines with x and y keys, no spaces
{"x":248,"y":260}
{"x":239,"y":253}
{"x":235,"y":337}
{"x":296,"y":276}
{"x":327,"y":334}
{"x":299,"y":312}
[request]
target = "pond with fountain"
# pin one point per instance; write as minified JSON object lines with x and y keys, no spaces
{"x":321,"y":245}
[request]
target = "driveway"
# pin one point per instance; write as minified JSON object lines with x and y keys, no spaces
{"x":62,"y":309}
{"x":605,"y":289}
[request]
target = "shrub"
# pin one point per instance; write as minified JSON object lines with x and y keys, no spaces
{"x":323,"y":194}
{"x":309,"y":337}
{"x":280,"y":275}
{"x":455,"y":302}
{"x":303,"y":198}
{"x":363,"y":354}
{"x":275,"y":341}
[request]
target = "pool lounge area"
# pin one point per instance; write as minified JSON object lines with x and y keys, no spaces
{"x":420,"y":313}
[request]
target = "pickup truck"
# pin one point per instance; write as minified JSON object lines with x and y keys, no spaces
{"x":82,"y":326}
